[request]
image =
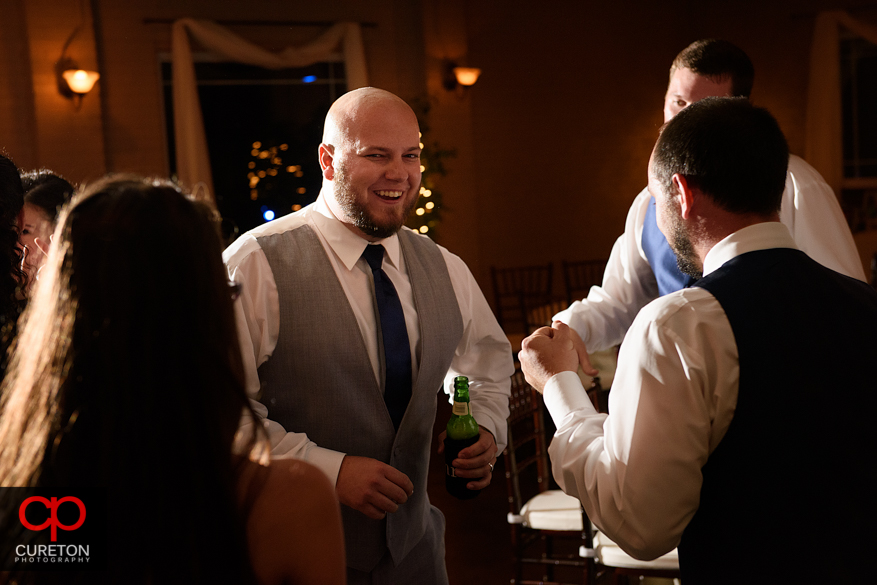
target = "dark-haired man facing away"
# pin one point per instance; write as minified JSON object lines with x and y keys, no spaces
{"x":726,"y":436}
{"x":642,"y":266}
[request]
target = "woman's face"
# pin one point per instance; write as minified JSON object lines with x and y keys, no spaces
{"x":35,"y":224}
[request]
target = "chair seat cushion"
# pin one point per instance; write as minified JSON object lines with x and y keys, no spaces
{"x":553,"y":510}
{"x":611,"y":555}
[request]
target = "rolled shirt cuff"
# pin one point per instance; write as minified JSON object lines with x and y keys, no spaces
{"x":564,"y":393}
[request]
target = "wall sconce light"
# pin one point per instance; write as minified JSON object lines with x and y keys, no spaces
{"x":73,"y":82}
{"x":459,"y":76}
{"x":80,"y":81}
{"x":467,"y":75}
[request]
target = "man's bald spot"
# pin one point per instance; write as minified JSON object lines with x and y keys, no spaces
{"x":356,"y":104}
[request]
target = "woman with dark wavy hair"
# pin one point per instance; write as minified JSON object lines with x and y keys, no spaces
{"x":45,"y":193}
{"x":130,"y":378}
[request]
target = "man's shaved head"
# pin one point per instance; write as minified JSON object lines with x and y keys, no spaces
{"x":352,"y":107}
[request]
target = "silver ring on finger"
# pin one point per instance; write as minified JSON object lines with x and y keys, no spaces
{"x":491,"y":467}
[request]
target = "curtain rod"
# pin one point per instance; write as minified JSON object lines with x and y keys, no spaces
{"x":320,"y":23}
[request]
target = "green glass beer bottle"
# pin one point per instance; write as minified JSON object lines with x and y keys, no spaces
{"x":462,"y":432}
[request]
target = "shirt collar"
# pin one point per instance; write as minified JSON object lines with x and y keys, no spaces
{"x":347,"y":245}
{"x":760,"y":236}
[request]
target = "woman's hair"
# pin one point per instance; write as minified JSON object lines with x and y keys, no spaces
{"x":46,"y":190}
{"x":130,"y":378}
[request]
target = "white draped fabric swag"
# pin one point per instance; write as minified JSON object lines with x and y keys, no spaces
{"x":193,"y":160}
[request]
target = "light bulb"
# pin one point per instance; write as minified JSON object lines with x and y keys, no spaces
{"x":467,"y":75}
{"x":80,"y":81}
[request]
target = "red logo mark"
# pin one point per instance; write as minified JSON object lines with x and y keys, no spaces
{"x":53,"y":517}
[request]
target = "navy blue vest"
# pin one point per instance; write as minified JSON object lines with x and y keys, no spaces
{"x":790,"y":493}
{"x":661,"y":257}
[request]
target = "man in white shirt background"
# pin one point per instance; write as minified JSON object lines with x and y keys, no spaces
{"x":323,"y":365}
{"x":739,"y":417}
{"x":642,"y":266}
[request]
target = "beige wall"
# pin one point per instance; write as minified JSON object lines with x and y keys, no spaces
{"x":564,"y":120}
{"x":552,"y":142}
{"x":451,"y":126}
{"x":569,"y":105}
{"x":17,"y":123}
{"x":40,"y":127}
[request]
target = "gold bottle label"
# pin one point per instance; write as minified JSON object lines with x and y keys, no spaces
{"x":461,"y":408}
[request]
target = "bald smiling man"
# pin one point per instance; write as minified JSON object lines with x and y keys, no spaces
{"x":323,"y":375}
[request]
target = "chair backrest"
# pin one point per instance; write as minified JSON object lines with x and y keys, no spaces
{"x":599,"y":397}
{"x":541,"y":315}
{"x":580,"y":276}
{"x":565,"y":545}
{"x":516,"y":290}
{"x":526,"y":455}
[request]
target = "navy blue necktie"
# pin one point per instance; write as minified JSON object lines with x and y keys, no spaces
{"x":397,"y":349}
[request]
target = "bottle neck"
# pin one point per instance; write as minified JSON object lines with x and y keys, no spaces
{"x":461,"y":396}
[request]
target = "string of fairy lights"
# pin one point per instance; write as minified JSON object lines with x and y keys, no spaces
{"x":422,"y":219}
{"x":266,"y":165}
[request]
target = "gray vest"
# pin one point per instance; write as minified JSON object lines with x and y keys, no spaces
{"x":320,"y":381}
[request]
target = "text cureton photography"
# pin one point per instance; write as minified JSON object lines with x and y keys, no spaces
{"x":52,"y":553}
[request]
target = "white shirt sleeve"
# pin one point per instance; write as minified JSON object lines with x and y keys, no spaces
{"x":637,"y":471}
{"x":603,"y":318}
{"x":813,"y":215}
{"x":484,"y":354}
{"x":257,"y":314}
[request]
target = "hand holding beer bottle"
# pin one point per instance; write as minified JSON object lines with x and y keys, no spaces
{"x":463,"y":431}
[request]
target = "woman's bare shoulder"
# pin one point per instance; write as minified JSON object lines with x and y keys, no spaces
{"x":294,"y":524}
{"x":294,"y":474}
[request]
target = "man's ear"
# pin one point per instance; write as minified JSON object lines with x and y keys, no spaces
{"x":684,"y":194}
{"x":327,"y":161}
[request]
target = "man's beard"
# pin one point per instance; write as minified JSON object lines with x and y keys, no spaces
{"x":680,"y":243}
{"x":359,"y":214}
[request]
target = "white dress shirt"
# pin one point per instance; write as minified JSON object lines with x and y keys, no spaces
{"x":483,"y":354}
{"x":809,"y":210}
{"x":637,"y":471}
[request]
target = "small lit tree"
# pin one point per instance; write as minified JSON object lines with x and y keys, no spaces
{"x":428,"y":212}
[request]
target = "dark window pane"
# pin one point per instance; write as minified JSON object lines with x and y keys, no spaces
{"x":263,"y":128}
{"x":859,"y":95}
